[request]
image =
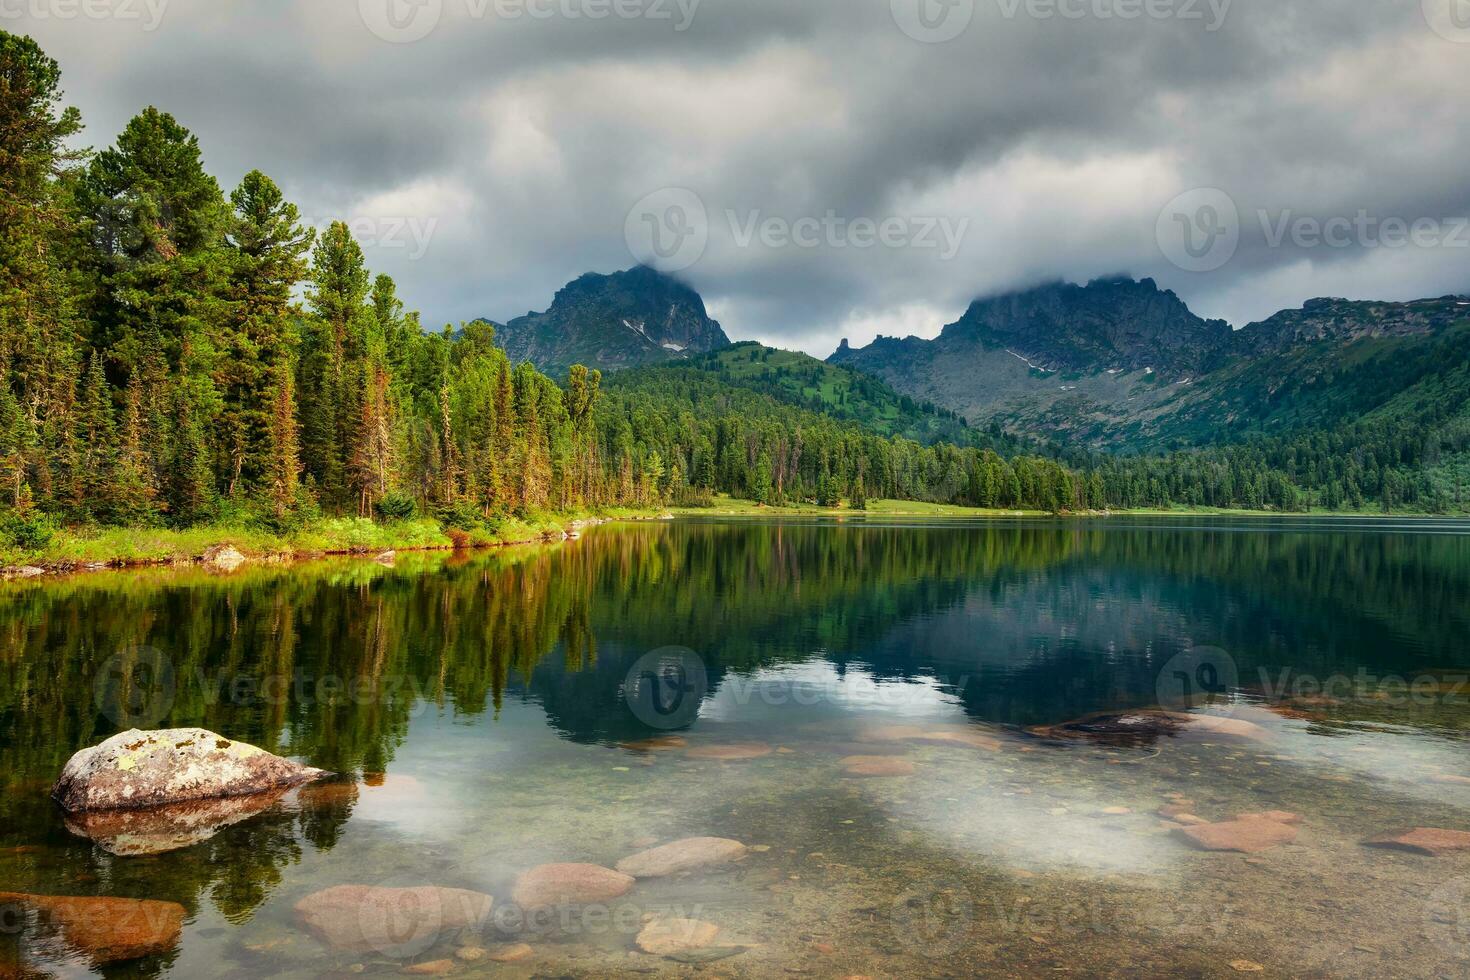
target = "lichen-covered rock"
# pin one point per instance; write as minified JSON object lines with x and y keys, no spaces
{"x":102,"y":930}
{"x":361,"y":918}
{"x":552,"y":885}
{"x":682,"y":855}
{"x":158,"y":830}
{"x":135,"y":770}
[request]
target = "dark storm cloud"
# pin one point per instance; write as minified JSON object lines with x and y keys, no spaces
{"x":499,"y":154}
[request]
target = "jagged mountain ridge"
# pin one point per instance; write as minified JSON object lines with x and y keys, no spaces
{"x":613,"y":322}
{"x":1119,"y":364}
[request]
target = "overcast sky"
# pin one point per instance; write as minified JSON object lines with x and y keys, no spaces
{"x":824,"y":168}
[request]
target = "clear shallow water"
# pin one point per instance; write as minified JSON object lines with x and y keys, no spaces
{"x":478,"y":709}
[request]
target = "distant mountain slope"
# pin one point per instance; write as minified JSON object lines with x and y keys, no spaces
{"x":614,"y":322}
{"x":1122,"y":365}
{"x":813,"y":386}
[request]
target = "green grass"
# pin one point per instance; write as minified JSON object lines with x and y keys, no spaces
{"x":70,"y":548}
{"x":734,"y":507}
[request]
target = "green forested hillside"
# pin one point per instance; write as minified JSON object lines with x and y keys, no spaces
{"x":802,"y":381}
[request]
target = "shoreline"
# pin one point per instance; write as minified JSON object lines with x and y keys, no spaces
{"x":731,"y":507}
{"x":227,"y":548}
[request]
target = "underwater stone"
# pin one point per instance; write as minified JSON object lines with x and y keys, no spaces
{"x":682,"y":855}
{"x":569,"y":884}
{"x":1431,"y":841}
{"x":103,"y":930}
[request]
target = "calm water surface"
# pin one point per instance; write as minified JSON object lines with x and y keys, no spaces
{"x":479,"y":711}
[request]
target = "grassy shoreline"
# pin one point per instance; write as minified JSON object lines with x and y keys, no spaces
{"x":85,"y":550}
{"x":117,"y":548}
{"x":732,"y":507}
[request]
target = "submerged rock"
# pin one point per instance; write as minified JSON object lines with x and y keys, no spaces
{"x":661,"y":743}
{"x":1147,"y":725}
{"x":103,"y":930}
{"x":734,"y":752}
{"x":973,"y":740}
{"x":666,"y":937}
{"x":968,"y":738}
{"x":433,"y":968}
{"x":362,"y":918}
{"x":158,"y":830}
{"x":1248,"y":836}
{"x":135,"y":770}
{"x":1431,"y":841}
{"x":512,"y":953}
{"x":682,"y":855}
{"x":569,"y":884}
{"x":1280,"y":816}
{"x":877,"y":766}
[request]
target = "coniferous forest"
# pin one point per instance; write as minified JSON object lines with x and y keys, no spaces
{"x":177,"y":354}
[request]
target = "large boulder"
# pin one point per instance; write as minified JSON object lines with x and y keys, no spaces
{"x":682,"y":855}
{"x":363,"y":918}
{"x":134,"y":770}
{"x":551,"y":885}
{"x":101,"y":930}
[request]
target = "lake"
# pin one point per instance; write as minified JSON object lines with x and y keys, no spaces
{"x":937,"y":741}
